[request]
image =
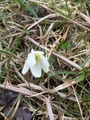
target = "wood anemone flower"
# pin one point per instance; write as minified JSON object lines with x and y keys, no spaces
{"x":36,"y":62}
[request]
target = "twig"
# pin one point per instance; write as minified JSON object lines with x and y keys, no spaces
{"x":3,"y":63}
{"x":19,"y":74}
{"x":78,"y":102}
{"x":55,"y":54}
{"x":55,"y":15}
{"x":86,"y":18}
{"x":48,"y":16}
{"x":49,"y":109}
{"x":22,"y":91}
{"x":37,"y":87}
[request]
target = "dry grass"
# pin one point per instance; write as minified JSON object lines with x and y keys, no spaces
{"x":62,"y":30}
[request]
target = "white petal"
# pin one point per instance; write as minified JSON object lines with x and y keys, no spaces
{"x":44,"y":64}
{"x":32,"y":51}
{"x":31,"y":59}
{"x":37,"y":52}
{"x":36,"y":70}
{"x":25,"y":68}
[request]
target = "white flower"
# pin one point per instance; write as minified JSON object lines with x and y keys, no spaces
{"x":36,"y":62}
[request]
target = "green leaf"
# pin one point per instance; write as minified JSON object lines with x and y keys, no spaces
{"x":31,"y":10}
{"x":85,"y":61}
{"x":20,"y":2}
{"x":8,"y":53}
{"x":62,"y":72}
{"x":80,"y":78}
{"x":66,"y":46}
{"x":2,"y":73}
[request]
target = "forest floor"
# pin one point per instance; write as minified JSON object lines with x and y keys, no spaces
{"x":61,"y":29}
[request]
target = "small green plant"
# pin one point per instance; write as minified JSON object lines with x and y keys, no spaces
{"x":66,"y":46}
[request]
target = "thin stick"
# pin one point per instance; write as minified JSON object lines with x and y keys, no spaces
{"x":22,"y":91}
{"x":55,"y":15}
{"x":55,"y":54}
{"x":78,"y":102}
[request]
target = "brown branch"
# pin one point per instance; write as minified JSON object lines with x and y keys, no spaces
{"x":69,"y":62}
